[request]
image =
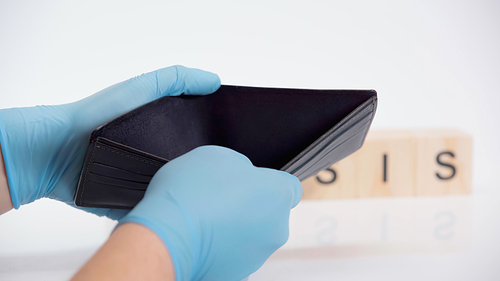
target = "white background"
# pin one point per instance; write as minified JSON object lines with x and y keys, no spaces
{"x":433,"y":64}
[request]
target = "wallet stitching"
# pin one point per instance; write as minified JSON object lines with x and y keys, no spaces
{"x":117,"y":152}
{"x":87,"y":172}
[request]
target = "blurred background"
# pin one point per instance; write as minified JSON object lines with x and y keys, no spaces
{"x":434,"y":64}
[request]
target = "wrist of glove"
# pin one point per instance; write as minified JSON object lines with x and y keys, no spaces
{"x":219,"y":216}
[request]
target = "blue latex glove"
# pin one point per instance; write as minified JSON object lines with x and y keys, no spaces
{"x":219,"y":216}
{"x":44,"y":146}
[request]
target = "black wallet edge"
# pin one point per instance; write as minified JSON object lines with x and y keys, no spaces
{"x":295,"y":166}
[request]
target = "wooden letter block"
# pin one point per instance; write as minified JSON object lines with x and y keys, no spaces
{"x":338,"y":181}
{"x":386,"y":165}
{"x":399,"y":163}
{"x":444,"y":162}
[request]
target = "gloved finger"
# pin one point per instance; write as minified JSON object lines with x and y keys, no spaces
{"x":218,"y":152}
{"x":120,"y":98}
{"x":173,"y":81}
{"x":189,"y":81}
{"x":296,"y":186}
{"x":287,"y":183}
{"x":168,"y":81}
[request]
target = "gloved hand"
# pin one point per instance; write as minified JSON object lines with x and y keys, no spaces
{"x":44,"y":146}
{"x":219,"y":216}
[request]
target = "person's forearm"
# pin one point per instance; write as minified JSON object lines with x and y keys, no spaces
{"x":132,"y":252}
{"x":5,"y":202}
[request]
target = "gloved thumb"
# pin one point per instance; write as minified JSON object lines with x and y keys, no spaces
{"x":125,"y":96}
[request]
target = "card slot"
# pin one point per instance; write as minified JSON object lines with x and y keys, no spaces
{"x":117,"y":185}
{"x":125,"y":179}
{"x":124,"y":160}
{"x":95,"y":178}
{"x":119,"y":173}
{"x":122,"y":169}
{"x":99,"y":196}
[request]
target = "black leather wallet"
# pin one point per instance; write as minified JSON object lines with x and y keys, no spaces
{"x":296,"y":130}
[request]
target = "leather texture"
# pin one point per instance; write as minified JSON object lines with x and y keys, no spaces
{"x":300,"y":131}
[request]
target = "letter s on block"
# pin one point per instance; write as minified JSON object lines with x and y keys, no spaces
{"x":453,"y":170}
{"x":334,"y":177}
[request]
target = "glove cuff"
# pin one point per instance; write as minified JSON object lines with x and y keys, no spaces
{"x":172,"y":240}
{"x":32,"y":139}
{"x":14,"y":196}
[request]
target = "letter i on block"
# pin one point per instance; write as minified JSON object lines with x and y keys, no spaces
{"x":385,"y":165}
{"x":444,"y":162}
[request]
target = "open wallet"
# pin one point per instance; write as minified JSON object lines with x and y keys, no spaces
{"x":299,"y":131}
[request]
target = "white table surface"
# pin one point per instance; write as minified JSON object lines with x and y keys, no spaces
{"x":473,"y":256}
{"x":479,"y":260}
